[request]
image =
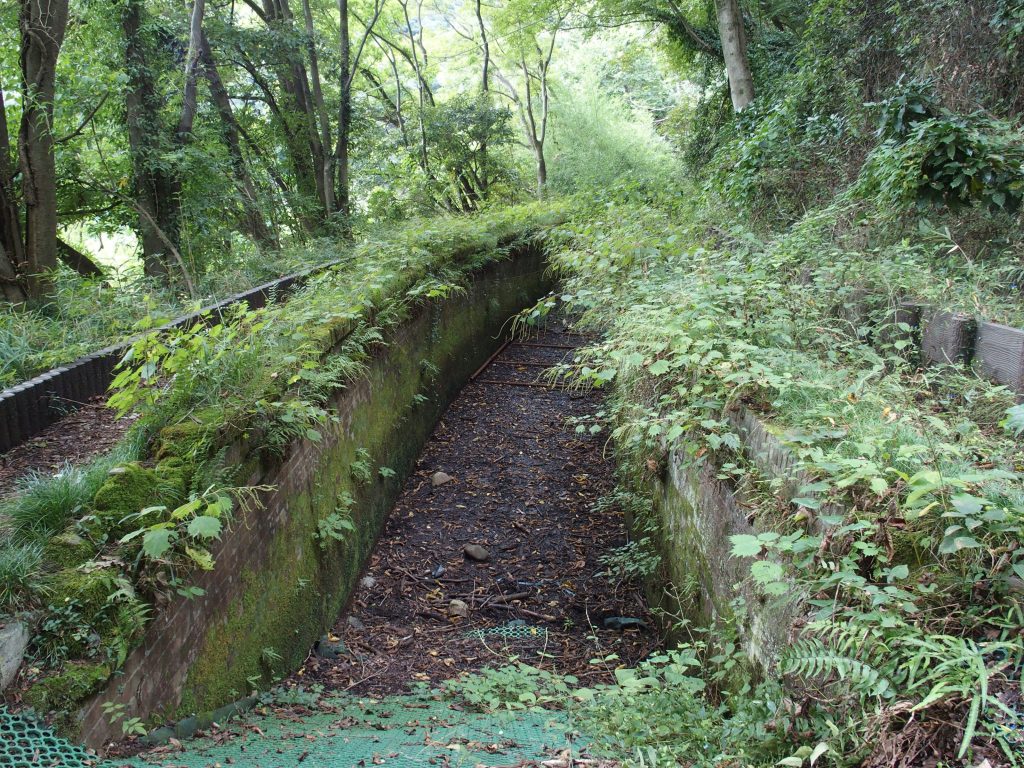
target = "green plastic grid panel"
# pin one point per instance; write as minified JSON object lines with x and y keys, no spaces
{"x":513,"y":630}
{"x":397,"y":732}
{"x":27,"y":743}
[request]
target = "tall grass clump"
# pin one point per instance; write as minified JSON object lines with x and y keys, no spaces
{"x":20,"y":571}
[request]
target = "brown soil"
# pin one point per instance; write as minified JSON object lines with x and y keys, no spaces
{"x":524,"y":487}
{"x":80,"y":436}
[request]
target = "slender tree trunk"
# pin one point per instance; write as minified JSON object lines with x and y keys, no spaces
{"x":341,"y":157}
{"x":734,"y":50}
{"x":11,"y":244}
{"x":348,"y":66}
{"x":485,"y":85}
{"x":152,"y":187}
{"x":421,"y":82}
{"x":43,"y":23}
{"x":328,"y":161}
{"x":77,"y":260}
{"x":189,"y":102}
{"x":304,"y":146}
{"x":254,"y":223}
{"x":485,"y":89}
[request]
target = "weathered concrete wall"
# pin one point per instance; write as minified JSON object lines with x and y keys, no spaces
{"x":274,"y":585}
{"x":697,"y":512}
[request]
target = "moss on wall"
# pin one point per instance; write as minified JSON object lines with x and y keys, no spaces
{"x":284,"y":596}
{"x":295,"y":595}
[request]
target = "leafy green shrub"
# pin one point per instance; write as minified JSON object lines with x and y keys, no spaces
{"x":655,"y":713}
{"x":918,"y":568}
{"x":514,"y":687}
{"x":950,"y":160}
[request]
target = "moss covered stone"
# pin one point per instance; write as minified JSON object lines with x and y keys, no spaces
{"x":191,"y":440}
{"x":88,"y":588}
{"x":62,"y":692}
{"x":128,"y":490}
{"x":174,"y":476}
{"x":69,"y":550}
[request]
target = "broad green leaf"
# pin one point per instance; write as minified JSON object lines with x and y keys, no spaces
{"x":155,"y":543}
{"x":186,"y":510}
{"x":204,"y":527}
{"x":898,"y":572}
{"x":200,"y":557}
{"x":766,"y":571}
{"x":968,"y":504}
{"x":818,"y":751}
{"x":658,"y":367}
{"x":745,"y":545}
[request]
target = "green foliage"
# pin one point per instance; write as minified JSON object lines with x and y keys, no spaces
{"x":602,"y":143}
{"x":468,"y":139}
{"x":655,"y":714}
{"x":904,"y":533}
{"x":338,"y":525}
{"x":949,"y":160}
{"x":514,"y":687}
{"x":361,"y":469}
{"x":181,"y":537}
{"x":634,"y":561}
{"x":1014,"y":421}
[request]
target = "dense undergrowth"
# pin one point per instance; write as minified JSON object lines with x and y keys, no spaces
{"x":874,"y":166}
{"x":882,"y":160}
{"x":904,"y":548}
{"x":90,"y":553}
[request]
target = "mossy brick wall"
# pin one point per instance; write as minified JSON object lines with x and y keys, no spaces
{"x":274,"y":586}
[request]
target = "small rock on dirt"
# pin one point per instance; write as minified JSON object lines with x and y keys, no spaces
{"x":440,"y":478}
{"x":355,"y":623}
{"x":328,"y":648}
{"x":458,"y":608}
{"x":476,"y":552}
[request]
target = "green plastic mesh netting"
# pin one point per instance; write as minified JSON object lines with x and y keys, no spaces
{"x":327,"y":732}
{"x":26,"y":743}
{"x":513,"y":630}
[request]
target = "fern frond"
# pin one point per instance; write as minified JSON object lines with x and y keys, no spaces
{"x":810,"y":658}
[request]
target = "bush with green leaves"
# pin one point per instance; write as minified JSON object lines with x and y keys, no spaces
{"x":907,"y":535}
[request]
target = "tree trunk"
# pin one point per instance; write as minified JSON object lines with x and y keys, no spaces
{"x":43,"y":23}
{"x":77,"y":260}
{"x":485,"y":85}
{"x":11,"y":244}
{"x":254,"y":223}
{"x":189,"y":102}
{"x":341,"y":158}
{"x":153,"y":190}
{"x":485,"y":89}
{"x":305,"y":149}
{"x":327,"y":162}
{"x":542,"y":172}
{"x":734,"y":50}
